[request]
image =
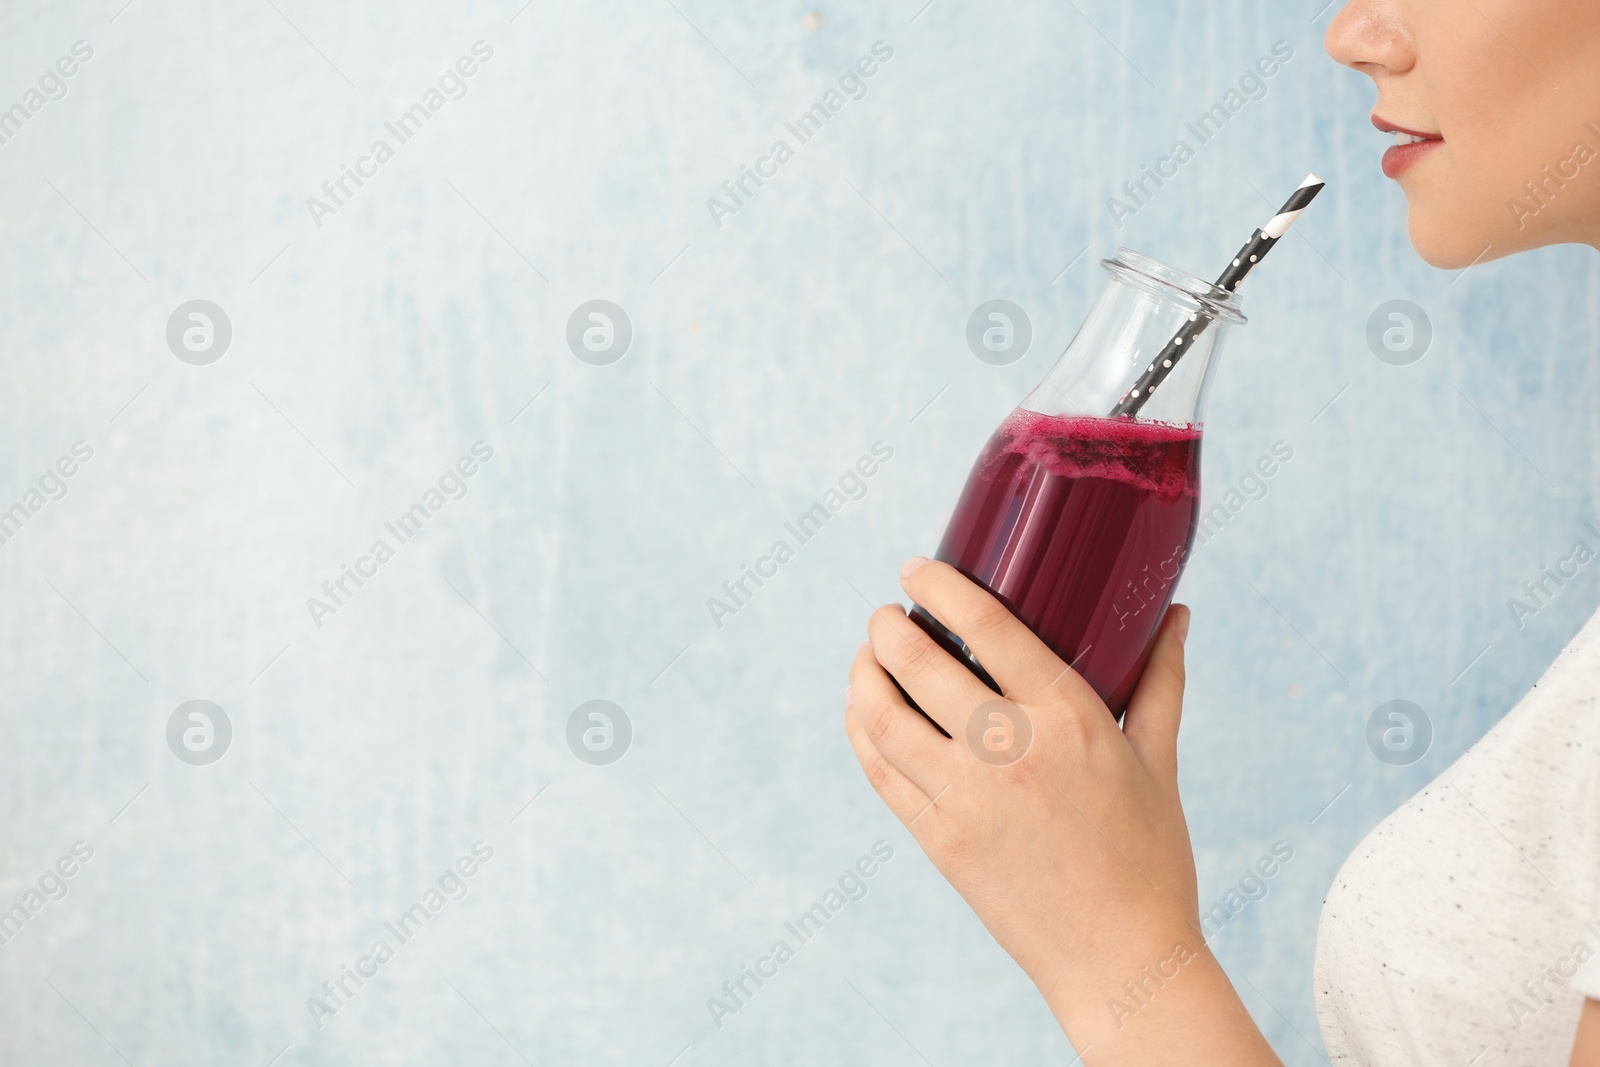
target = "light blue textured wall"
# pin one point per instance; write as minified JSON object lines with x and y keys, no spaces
{"x":769,"y":353}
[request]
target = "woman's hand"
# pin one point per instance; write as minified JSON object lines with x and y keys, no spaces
{"x":1063,"y":832}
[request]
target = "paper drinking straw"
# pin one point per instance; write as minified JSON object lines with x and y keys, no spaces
{"x":1260,"y":244}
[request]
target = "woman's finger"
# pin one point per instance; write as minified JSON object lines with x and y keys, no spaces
{"x":941,"y":686}
{"x":901,"y":794}
{"x":1026,"y":668}
{"x":907,"y":740}
{"x":1151,"y":722}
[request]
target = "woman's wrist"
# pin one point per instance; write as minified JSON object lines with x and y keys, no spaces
{"x":1167,"y":1002}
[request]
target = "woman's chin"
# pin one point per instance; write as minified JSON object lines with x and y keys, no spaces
{"x":1452,"y":242}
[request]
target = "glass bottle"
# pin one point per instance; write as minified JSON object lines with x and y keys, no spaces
{"x":1079,"y":521}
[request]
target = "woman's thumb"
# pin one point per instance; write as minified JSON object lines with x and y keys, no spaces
{"x":1151,"y":722}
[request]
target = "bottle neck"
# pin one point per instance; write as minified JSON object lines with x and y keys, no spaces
{"x":1133,"y":326}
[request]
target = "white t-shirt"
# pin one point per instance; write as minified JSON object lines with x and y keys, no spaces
{"x":1460,"y":930}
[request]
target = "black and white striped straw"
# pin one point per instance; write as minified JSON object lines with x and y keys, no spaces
{"x":1260,"y":244}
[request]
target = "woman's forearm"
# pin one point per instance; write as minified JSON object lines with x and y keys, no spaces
{"x":1177,"y":1009}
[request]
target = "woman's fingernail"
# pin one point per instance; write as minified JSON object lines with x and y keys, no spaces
{"x":848,"y":699}
{"x":862,"y":647}
{"x":911,"y":565}
{"x":1183,"y":625}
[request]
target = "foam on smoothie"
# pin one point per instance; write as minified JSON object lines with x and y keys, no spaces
{"x":1152,"y":456}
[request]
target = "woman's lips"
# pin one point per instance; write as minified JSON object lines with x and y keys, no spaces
{"x":1402,"y":157}
{"x":1411,"y":146}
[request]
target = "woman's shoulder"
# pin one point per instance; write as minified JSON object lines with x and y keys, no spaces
{"x":1539,"y":766}
{"x":1472,"y":886}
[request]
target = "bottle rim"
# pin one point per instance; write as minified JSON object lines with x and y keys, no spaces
{"x":1170,"y":283}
